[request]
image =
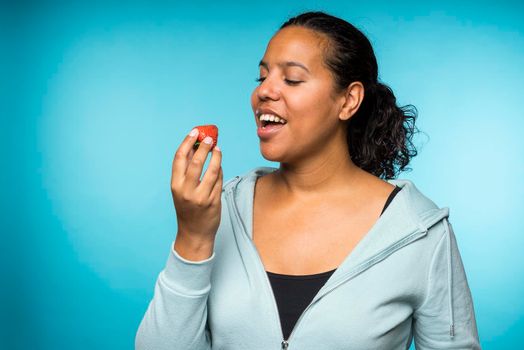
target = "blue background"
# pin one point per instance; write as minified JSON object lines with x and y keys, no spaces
{"x":95,"y":98}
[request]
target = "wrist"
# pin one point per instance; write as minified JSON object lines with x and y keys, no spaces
{"x":193,"y":248}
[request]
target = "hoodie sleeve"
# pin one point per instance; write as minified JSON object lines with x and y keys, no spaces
{"x":446,"y":319}
{"x":176,"y":317}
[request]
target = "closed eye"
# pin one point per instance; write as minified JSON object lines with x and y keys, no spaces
{"x":292,"y":82}
{"x":288,"y":81}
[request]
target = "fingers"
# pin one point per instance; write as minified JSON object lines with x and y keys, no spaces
{"x":217,"y":189}
{"x":183,"y":157}
{"x":196,"y":165}
{"x":190,"y":155}
{"x":212,"y":173}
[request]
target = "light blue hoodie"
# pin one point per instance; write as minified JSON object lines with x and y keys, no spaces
{"x":405,"y":279}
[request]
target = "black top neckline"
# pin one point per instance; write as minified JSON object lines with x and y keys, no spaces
{"x":390,"y":197}
{"x":302,"y":277}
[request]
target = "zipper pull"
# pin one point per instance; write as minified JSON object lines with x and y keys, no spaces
{"x":285,"y":344}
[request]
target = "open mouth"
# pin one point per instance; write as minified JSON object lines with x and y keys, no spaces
{"x":271,"y":119}
{"x":266,"y":123}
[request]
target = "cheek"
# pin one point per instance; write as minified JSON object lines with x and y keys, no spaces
{"x":314,"y":111}
{"x":308,"y":104}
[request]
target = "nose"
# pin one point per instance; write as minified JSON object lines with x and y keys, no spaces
{"x":268,"y":90}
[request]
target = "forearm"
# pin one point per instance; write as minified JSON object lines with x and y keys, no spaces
{"x":177,"y":314}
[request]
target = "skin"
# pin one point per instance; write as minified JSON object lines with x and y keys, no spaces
{"x":322,"y":201}
{"x":197,"y":202}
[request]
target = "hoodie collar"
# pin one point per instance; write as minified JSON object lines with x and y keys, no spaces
{"x":409,"y":211}
{"x":408,"y":218}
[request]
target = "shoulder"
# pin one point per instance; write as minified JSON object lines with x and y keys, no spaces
{"x":244,"y":179}
{"x":423,"y":213}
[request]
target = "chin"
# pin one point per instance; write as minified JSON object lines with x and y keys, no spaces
{"x":272,"y":155}
{"x":271,"y":158}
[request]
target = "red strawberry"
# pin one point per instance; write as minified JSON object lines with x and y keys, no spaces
{"x":210,"y":130}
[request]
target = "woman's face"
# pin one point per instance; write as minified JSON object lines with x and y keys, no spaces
{"x":296,"y":85}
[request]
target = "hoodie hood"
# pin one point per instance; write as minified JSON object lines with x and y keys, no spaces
{"x":408,"y":218}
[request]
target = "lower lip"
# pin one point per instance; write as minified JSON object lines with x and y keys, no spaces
{"x":269,"y":131}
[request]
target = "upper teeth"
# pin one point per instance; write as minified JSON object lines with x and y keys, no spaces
{"x":272,"y":118}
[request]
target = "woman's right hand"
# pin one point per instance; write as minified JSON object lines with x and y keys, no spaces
{"x":197,"y":203}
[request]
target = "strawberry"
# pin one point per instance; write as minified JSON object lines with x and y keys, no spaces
{"x":210,"y":130}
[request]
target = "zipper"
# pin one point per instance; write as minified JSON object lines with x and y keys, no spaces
{"x":354,"y":272}
{"x":273,"y":302}
{"x":285,"y":342}
{"x":323,"y":291}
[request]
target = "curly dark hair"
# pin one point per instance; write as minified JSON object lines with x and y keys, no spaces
{"x":379,"y":135}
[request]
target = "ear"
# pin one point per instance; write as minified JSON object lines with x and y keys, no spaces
{"x":351,"y":99}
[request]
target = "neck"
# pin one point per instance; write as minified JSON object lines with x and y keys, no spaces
{"x":324,"y":174}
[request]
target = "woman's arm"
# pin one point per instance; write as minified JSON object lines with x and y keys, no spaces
{"x":176,"y":318}
{"x":177,"y":315}
{"x":446,"y":319}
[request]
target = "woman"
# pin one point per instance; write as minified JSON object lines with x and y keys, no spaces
{"x":306,"y":256}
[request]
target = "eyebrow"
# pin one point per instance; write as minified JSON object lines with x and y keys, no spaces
{"x":287,"y":64}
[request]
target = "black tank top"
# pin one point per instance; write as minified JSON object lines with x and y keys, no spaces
{"x":294,"y":293}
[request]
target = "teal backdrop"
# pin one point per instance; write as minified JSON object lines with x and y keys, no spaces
{"x":96,"y":96}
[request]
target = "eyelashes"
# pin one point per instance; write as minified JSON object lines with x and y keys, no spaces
{"x":289,"y":82}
